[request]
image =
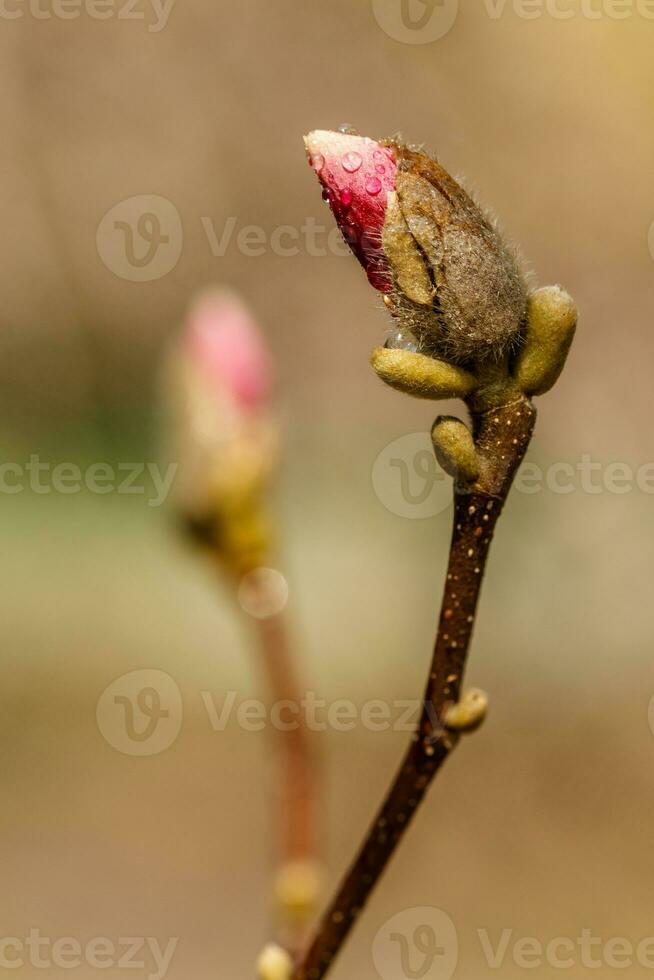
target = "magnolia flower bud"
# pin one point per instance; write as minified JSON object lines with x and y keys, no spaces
{"x":357,"y":175}
{"x":451,"y":282}
{"x":225,"y":344}
{"x":224,"y":428}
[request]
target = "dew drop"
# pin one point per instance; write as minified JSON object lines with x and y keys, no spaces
{"x":373,"y":186}
{"x":346,"y":197}
{"x":399,"y":339}
{"x":348,"y":129}
{"x":352,"y":161}
{"x":317,"y":162}
{"x":380,"y":168}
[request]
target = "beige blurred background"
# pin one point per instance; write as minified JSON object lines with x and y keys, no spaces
{"x":541,"y":823}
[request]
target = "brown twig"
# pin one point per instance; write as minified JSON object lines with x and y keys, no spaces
{"x":501,"y":436}
{"x":297,"y":859}
{"x":298,"y":804}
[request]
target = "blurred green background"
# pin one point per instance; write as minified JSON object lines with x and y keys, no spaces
{"x":541,"y":823}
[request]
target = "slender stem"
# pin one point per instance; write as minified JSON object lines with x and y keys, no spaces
{"x":502,"y":435}
{"x":298,"y":804}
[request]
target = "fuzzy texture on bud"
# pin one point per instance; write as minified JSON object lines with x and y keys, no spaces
{"x":551,"y":325}
{"x":451,"y":280}
{"x":455,"y":450}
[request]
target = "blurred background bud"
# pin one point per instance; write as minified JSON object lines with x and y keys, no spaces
{"x":224,"y":431}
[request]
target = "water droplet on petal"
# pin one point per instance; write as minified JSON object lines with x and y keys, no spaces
{"x":317,"y":162}
{"x":380,"y":168}
{"x":399,"y":339}
{"x":348,"y":130}
{"x":352,"y":161}
{"x":346,"y":197}
{"x":373,"y":185}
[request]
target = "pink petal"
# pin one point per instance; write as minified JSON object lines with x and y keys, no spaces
{"x":357,"y":174}
{"x":226,"y":343}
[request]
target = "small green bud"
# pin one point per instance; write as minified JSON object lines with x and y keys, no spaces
{"x":468,"y":714}
{"x":455,"y":449}
{"x":421,"y":376}
{"x":551,"y":324}
{"x":274,"y":963}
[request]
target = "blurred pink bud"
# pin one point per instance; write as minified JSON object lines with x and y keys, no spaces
{"x":357,"y":173}
{"x":225,"y":343}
